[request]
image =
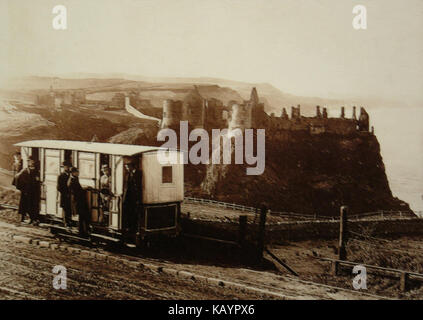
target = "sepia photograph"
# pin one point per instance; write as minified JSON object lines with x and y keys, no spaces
{"x":219,"y":156}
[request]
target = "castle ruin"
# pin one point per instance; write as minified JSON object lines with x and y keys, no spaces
{"x":211,"y":113}
{"x":59,"y":98}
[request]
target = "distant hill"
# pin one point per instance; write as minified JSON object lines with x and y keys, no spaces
{"x":158,"y":89}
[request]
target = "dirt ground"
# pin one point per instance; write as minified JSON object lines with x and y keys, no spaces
{"x":26,"y":269}
{"x":303,"y":258}
{"x":26,"y":273}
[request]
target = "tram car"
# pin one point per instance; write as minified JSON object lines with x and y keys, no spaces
{"x":162,"y":185}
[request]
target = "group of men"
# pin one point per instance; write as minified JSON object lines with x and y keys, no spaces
{"x":73,"y":198}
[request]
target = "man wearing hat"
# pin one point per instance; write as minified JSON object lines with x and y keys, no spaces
{"x":62,"y":187}
{"x":132,"y":197}
{"x":28,"y":182}
{"x":78,"y":199}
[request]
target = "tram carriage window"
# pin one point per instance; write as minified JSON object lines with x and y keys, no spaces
{"x":104,"y":159}
{"x":86,"y":168}
{"x":52,"y":165}
{"x":104,"y":182}
{"x":86,"y":165}
{"x":35,"y":154}
{"x":167,"y":174}
{"x":68,"y":156}
{"x":105,"y":189}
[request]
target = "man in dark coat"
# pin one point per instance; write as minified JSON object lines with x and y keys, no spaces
{"x":28,"y":182}
{"x":62,"y":187}
{"x":78,"y":201}
{"x":132,"y":198}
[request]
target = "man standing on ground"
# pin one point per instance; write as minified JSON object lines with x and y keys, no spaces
{"x":28,"y":182}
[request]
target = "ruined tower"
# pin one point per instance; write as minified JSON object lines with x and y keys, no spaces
{"x":172,"y":113}
{"x":254,"y":99}
{"x":363,"y":120}
{"x":241,"y":117}
{"x":284,"y":114}
{"x":194,"y":108}
{"x":318,"y":113}
{"x":296,"y":112}
{"x":325,"y":113}
{"x":214,"y":113}
{"x":258,"y":114}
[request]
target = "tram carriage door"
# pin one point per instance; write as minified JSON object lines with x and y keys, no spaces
{"x":51,"y":172}
{"x":88,"y":177}
{"x":65,"y":155}
{"x":87,"y":169}
{"x":117,"y":190}
{"x":99,"y":215}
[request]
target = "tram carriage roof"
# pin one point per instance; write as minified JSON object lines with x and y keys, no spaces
{"x":85,"y":146}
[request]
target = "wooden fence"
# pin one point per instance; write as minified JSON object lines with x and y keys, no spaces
{"x":403,"y":275}
{"x":381,"y":214}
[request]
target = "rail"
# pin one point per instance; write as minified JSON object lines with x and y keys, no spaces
{"x":8,"y":206}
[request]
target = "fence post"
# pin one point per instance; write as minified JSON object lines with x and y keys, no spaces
{"x":335,"y":267}
{"x":342,"y":253}
{"x":242,"y":231}
{"x":261,"y":233}
{"x":404,"y":281}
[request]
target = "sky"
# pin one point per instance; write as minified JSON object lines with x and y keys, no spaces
{"x":303,"y":47}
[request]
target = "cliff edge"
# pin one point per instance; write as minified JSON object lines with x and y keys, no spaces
{"x":307,"y":173}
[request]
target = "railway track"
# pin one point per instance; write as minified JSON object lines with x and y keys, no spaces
{"x":281,"y":287}
{"x":72,"y":279}
{"x":89,"y":279}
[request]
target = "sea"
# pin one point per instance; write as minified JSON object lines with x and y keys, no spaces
{"x":400,"y":134}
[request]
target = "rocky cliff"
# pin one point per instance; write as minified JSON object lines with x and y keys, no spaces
{"x":307,"y":173}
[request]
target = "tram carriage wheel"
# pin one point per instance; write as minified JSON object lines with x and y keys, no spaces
{"x":142,"y":243}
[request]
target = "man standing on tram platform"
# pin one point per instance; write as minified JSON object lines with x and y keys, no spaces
{"x":78,"y":201}
{"x":62,"y":187}
{"x":132,"y":197}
